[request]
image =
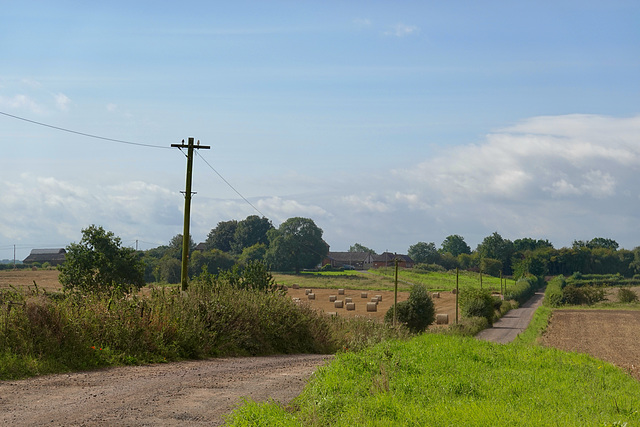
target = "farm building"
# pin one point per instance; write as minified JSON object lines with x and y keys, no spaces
{"x":387,"y":259}
{"x":358,"y":260}
{"x":52,"y":256}
{"x":364,"y":261}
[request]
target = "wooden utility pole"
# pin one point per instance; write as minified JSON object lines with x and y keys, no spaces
{"x":457,"y":292}
{"x":187,"y":209}
{"x":395,"y":296}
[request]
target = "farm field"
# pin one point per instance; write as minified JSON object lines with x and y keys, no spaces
{"x":609,"y":335}
{"x":46,"y":279}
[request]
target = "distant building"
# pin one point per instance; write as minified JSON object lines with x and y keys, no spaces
{"x":387,"y":259}
{"x":365,"y":261}
{"x":52,"y":256}
{"x":357,"y":260}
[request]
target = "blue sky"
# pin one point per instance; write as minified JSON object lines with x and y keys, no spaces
{"x":387,"y":123}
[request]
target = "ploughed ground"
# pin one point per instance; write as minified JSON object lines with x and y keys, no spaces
{"x":610,"y":335}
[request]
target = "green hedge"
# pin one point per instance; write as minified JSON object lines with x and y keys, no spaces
{"x":524,"y":289}
{"x":553,"y":296}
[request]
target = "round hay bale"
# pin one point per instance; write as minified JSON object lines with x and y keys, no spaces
{"x":379,"y":298}
{"x":338,"y":303}
{"x":296,"y":300}
{"x":311,"y":296}
{"x":348,"y":300}
{"x":374,"y":300}
{"x":340,"y":291}
{"x":307,"y":291}
{"x":295,"y":286}
{"x":442,"y":319}
{"x":435,"y":294}
{"x":364,"y":295}
{"x":454,"y":291}
{"x":372,"y":306}
{"x":331,"y":313}
{"x":351,"y":306}
{"x":332,"y":298}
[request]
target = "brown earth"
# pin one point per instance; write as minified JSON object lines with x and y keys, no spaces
{"x":177,"y":394}
{"x":609,"y":335}
{"x":445,"y":303}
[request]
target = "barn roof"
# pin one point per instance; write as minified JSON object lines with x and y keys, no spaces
{"x":53,"y":256}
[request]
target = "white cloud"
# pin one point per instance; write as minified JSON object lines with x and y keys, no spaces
{"x":402,"y":30}
{"x":362,"y":22}
{"x":62,"y":101}
{"x":21,"y":102}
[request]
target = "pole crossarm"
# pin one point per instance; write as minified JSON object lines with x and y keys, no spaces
{"x":190,"y":146}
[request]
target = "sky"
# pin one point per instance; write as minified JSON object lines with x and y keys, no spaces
{"x":387,"y":123}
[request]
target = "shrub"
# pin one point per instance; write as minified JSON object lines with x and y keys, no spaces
{"x":524,"y":289}
{"x":627,"y":295}
{"x":553,"y":296}
{"x":477,"y":303}
{"x":582,"y":295}
{"x":417,"y":312}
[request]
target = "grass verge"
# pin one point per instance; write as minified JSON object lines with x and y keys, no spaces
{"x":440,"y":380}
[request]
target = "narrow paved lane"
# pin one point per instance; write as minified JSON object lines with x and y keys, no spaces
{"x":509,"y":326}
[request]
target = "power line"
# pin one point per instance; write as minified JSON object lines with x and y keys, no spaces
{"x":230,"y":186}
{"x":82,"y":133}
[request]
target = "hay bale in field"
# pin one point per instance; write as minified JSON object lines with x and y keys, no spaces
{"x":351,"y":306}
{"x":364,"y":295}
{"x":296,"y":300}
{"x":340,"y":291}
{"x":374,"y":300}
{"x":454,"y":291}
{"x":372,"y":306}
{"x":435,"y":294}
{"x":338,"y":303}
{"x":295,"y":286}
{"x":332,"y":298}
{"x":331,"y":313}
{"x":379,"y":298}
{"x":311,"y":296}
{"x":442,"y":319}
{"x":348,"y":299}
{"x":307,"y":291}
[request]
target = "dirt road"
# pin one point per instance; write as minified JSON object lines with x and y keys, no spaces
{"x":176,"y":394}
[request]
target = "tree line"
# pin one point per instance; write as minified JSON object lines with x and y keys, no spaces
{"x":295,"y":245}
{"x":496,"y":255}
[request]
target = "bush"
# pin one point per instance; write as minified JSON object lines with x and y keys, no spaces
{"x":477,"y":303}
{"x":626,"y":295}
{"x":417,"y":312}
{"x":553,"y":296}
{"x":588,"y":295}
{"x":524,"y":289}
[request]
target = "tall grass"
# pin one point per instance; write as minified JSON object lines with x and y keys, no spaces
{"x":439,"y":380}
{"x":42,"y":333}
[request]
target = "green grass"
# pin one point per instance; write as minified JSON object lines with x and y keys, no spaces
{"x":438,"y":380}
{"x":383,"y":279}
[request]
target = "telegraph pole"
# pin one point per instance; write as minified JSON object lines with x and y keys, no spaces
{"x":187,"y":208}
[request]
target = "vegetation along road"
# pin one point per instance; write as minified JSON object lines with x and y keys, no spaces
{"x":507,"y":328}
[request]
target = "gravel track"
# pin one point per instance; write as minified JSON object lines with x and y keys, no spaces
{"x":175,"y":394}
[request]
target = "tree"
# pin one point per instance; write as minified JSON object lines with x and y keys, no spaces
{"x":496,"y":247}
{"x":100,"y":264}
{"x":601,"y":242}
{"x":175,"y":245}
{"x":423,"y":252}
{"x":249,"y":232}
{"x":417,"y":312}
{"x":221,"y":237}
{"x":529,"y":244}
{"x":295,"y":245}
{"x":358,"y":248}
{"x":455,"y":245}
